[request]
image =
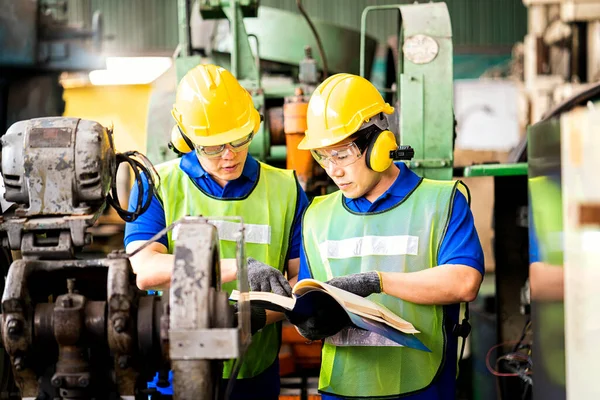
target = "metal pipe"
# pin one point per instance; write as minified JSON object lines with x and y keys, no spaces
{"x":317,"y":38}
{"x":363,"y":34}
{"x":236,"y":44}
{"x":183,"y":14}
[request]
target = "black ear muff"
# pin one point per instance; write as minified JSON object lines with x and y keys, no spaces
{"x":180,"y":143}
{"x":378,"y":152}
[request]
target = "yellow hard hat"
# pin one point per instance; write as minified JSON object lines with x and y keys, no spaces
{"x":338,"y":107}
{"x":212,"y":108}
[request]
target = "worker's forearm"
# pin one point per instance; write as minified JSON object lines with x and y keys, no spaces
{"x":444,"y":284}
{"x":154,"y":271}
{"x":547,"y":282}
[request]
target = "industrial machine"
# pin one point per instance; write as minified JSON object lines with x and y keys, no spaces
{"x":560,"y":52}
{"x":281,"y":71}
{"x":37,"y":44}
{"x":77,"y":327}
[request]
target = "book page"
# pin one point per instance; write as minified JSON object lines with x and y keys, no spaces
{"x":359,"y":305}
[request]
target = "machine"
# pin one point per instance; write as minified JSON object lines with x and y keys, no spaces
{"x":77,"y":327}
{"x":37,"y":44}
{"x":560,"y":52}
{"x":281,"y":71}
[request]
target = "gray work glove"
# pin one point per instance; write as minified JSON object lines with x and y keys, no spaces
{"x":264,"y":278}
{"x":258,"y":317}
{"x":362,"y":284}
{"x":327,"y":320}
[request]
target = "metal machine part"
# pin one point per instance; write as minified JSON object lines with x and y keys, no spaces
{"x":201,"y":331}
{"x":36,"y":34}
{"x":424,"y":85}
{"x":58,"y":171}
{"x":104,"y":337}
{"x":57,"y":166}
{"x":36,"y":45}
{"x":80,"y":328}
{"x":561,"y":52}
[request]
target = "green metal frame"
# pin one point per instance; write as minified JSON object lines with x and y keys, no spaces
{"x":496,"y":170}
{"x":425,"y":91}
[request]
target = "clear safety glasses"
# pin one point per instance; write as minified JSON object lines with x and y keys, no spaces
{"x":340,"y":156}
{"x":217,"y":150}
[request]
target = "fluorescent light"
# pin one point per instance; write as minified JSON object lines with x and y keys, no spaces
{"x":130,"y":70}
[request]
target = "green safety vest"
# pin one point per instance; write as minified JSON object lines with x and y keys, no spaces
{"x":404,"y":238}
{"x":546,"y":211}
{"x":268,"y":212}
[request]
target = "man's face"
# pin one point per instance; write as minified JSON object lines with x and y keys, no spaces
{"x":355,"y":179}
{"x":226,"y":167}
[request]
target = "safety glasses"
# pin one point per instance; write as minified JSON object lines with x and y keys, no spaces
{"x":217,"y":150}
{"x":341,"y":156}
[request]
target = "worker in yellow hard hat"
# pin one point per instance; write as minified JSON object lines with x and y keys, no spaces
{"x":406,"y":242}
{"x":215,"y":121}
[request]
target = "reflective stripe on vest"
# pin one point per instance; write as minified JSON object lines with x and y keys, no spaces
{"x":268,"y":213}
{"x":404,"y":238}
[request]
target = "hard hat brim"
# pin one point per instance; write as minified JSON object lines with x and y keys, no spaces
{"x":223,"y":138}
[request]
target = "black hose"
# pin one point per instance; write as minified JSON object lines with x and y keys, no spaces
{"x":143,"y":202}
{"x":318,"y":39}
{"x":576,"y":100}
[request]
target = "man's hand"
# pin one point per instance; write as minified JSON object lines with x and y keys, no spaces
{"x":326,"y":321}
{"x":264,"y":278}
{"x":362,"y":284}
{"x":258,"y":317}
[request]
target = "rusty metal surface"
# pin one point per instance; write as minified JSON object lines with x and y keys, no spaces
{"x":196,"y":258}
{"x":43,"y":323}
{"x":73,"y":323}
{"x":148,"y":329}
{"x":76,"y":225}
{"x":57,"y":165}
{"x":193,"y":380}
{"x":95,"y":320}
{"x":72,"y":374}
{"x":204,"y":344}
{"x":192,"y":285}
{"x":58,"y":171}
{"x":120,"y":322}
{"x":275,"y":117}
{"x":120,"y":296}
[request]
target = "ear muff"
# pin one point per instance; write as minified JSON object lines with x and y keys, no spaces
{"x":180,"y":143}
{"x":378,"y":153}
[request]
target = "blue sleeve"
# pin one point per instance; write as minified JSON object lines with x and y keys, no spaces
{"x":534,"y":254}
{"x":149,"y":223}
{"x":461,"y":243}
{"x":296,"y":242}
{"x":304,"y":270}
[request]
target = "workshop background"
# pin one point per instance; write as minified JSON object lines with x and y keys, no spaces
{"x":518,"y":77}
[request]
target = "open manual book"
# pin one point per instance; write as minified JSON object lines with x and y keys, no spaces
{"x":376,"y":324}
